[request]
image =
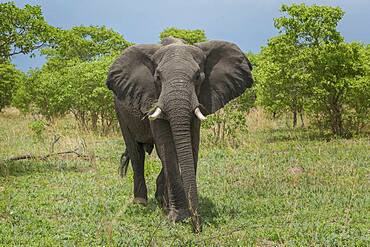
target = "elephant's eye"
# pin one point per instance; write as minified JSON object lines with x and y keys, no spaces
{"x":197,"y":76}
{"x":157,"y":76}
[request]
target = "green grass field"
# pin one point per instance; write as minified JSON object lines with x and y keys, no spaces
{"x":281,"y":187}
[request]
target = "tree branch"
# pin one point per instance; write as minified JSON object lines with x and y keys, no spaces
{"x":45,"y":157}
{"x":24,"y":52}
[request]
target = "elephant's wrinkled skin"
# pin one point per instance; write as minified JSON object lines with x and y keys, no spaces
{"x":171,"y":82}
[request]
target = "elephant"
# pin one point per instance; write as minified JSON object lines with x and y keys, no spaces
{"x":162,"y":92}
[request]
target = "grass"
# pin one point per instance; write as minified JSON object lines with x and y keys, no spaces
{"x":280,"y":187}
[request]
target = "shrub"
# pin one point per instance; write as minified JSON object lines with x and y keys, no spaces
{"x":10,"y":78}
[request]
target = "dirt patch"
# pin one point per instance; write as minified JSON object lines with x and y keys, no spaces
{"x":296,"y":170}
{"x":11,"y":112}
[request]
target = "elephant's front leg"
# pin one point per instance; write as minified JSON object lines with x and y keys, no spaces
{"x":177,"y":204}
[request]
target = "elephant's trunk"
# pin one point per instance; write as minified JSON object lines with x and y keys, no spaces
{"x":179,"y":112}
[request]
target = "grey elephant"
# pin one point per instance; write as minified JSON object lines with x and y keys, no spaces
{"x":162,"y":93}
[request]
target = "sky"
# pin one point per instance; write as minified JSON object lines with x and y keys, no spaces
{"x":248,"y":23}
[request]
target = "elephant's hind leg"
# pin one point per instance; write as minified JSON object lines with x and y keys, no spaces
{"x":136,"y":154}
{"x":125,"y":159}
{"x":140,"y":190}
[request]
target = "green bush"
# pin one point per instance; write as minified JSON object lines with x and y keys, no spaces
{"x":38,"y":128}
{"x":10,"y":78}
{"x":229,"y":123}
{"x":44,"y":92}
{"x":91,"y":101}
{"x":78,"y":88}
{"x":189,"y":36}
{"x":73,"y":78}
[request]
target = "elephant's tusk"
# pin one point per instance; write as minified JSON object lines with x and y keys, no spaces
{"x":155,"y":114}
{"x":199,"y":114}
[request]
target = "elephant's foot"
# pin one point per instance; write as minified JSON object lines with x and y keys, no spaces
{"x":176,"y":215}
{"x":140,"y":200}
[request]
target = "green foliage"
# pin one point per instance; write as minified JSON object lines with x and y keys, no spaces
{"x":340,"y":82}
{"x":308,"y":67}
{"x":228,"y":123}
{"x":91,"y":100}
{"x":282,"y":78}
{"x":189,"y":36}
{"x":10,"y":78}
{"x":22,"y":30}
{"x":358,"y":93}
{"x":38,"y":127}
{"x":44,"y":93}
{"x":73,"y":78}
{"x":309,"y":25}
{"x":78,"y":87}
{"x":247,"y":100}
{"x":85,"y":43}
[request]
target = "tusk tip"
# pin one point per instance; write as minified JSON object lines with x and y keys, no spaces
{"x":199,"y":114}
{"x":155,"y":114}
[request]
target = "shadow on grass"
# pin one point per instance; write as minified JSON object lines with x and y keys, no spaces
{"x":208,"y":211}
{"x":134,"y":209}
{"x":298,"y":134}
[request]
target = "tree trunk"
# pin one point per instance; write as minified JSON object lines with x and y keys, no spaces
{"x":94,"y":121}
{"x":302,"y":120}
{"x":294,"y":118}
{"x":336,"y":120}
{"x":335,"y":112}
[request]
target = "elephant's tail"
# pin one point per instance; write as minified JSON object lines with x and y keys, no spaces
{"x":125,"y":159}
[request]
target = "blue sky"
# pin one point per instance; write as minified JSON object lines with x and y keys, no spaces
{"x":248,"y":23}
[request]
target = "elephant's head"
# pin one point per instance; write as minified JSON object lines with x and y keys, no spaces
{"x":182,"y":82}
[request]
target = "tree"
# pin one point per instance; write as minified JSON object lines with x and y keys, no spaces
{"x":91,"y":101}
{"x":340,"y":89}
{"x":85,"y":43}
{"x":189,"y":36}
{"x":22,"y":30}
{"x":358,"y":96}
{"x":309,"y":66}
{"x":78,"y":87}
{"x":309,"y":25}
{"x":282,"y":77}
{"x":10,"y":78}
{"x":73,"y":78}
{"x":44,"y":92}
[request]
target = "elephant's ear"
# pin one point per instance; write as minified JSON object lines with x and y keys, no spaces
{"x":227,"y":74}
{"x":131,"y":77}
